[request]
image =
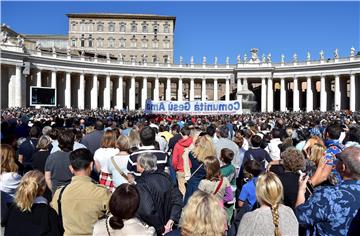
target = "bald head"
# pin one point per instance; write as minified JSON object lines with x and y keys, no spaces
{"x":350,"y":158}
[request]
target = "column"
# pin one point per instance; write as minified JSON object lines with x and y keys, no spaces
{"x":263,"y":94}
{"x":53,"y":79}
{"x":352,"y":92}
{"x":337,"y":94}
{"x":238,"y":89}
{"x":81,"y":92}
{"x":282,"y":95}
{"x":156,"y":90}
{"x":94,"y":93}
{"x":132,"y":94}
{"x":270,"y":106}
{"x":215,"y":89}
{"x":203,"y":89}
{"x":144,"y":92}
{"x":227,"y":89}
{"x":309,"y":95}
{"x":180,"y":90}
{"x":107,"y":93}
{"x":119,"y":94}
{"x":38,"y":78}
{"x":168,"y":89}
{"x":17,"y":87}
{"x":323,"y":94}
{"x":192,"y":89}
{"x":67,"y":90}
{"x":296,"y":94}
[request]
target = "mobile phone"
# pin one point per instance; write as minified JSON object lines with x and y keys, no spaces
{"x":309,"y":188}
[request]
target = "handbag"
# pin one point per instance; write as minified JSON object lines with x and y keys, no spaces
{"x":119,"y":170}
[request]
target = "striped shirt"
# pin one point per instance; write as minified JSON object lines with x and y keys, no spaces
{"x":162,"y":159}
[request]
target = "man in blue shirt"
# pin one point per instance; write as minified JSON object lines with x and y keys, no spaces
{"x":330,"y":210}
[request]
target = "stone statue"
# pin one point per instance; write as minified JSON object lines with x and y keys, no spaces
{"x":295,"y":58}
{"x":238,"y":59}
{"x":215,"y":60}
{"x":38,"y":46}
{"x":68,"y":50}
{"x":269,"y":58}
{"x":204,"y":60}
{"x":308,"y":56}
{"x":108,"y":56}
{"x":53,"y":49}
{"x":336,"y":53}
{"x":96,"y":55}
{"x":263,"y":60}
{"x":282,"y":58}
{"x":181,"y":60}
{"x":4,"y":36}
{"x":352,"y":51}
{"x":20,"y":41}
{"x":227,"y":60}
{"x":322,"y":55}
{"x":82,"y":53}
{"x":245,"y":58}
{"x":192,"y":60}
{"x":254,"y":55}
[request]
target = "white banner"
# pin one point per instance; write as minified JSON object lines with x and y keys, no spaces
{"x":195,"y":107}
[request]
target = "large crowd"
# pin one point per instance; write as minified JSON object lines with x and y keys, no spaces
{"x":97,"y":172}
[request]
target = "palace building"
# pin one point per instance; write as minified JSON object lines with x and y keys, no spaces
{"x":120,"y":60}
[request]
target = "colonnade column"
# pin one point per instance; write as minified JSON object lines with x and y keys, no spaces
{"x":323,"y":94}
{"x":296,"y":94}
{"x":282,"y":95}
{"x":227,"y":89}
{"x":203,"y":89}
{"x":144,"y":92}
{"x":17,"y":87}
{"x":107,"y":93}
{"x":119,"y":93}
{"x":337,"y":95}
{"x":168,"y":89}
{"x":352,"y":92}
{"x":180,"y":90}
{"x":67,"y":89}
{"x":53,"y":79}
{"x":238,"y":89}
{"x":156,"y":90}
{"x":81,"y":92}
{"x":132,"y":94}
{"x":270,"y":95}
{"x":38,"y":78}
{"x":309,"y":95}
{"x":94,"y":93}
{"x":192,"y":92}
{"x":215,"y":89}
{"x":263,"y":94}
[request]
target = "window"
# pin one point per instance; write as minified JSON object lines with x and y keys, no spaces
{"x":90,"y":42}
{"x":111,"y":27}
{"x":144,"y":27}
{"x":166,"y":27}
{"x":100,"y":42}
{"x":155,"y":27}
{"x":155,"y":42}
{"x":122,"y":42}
{"x":73,"y":42}
{"x":91,"y":26}
{"x":166,"y":42}
{"x":133,"y":42}
{"x":122,"y":27}
{"x":82,"y":44}
{"x":73,"y":25}
{"x":144,"y":58}
{"x":155,"y":60}
{"x":111,"y":42}
{"x":166,"y":59}
{"x":133,"y":26}
{"x":132,"y":58}
{"x":100,"y":27}
{"x":82,"y":26}
{"x":144,"y":42}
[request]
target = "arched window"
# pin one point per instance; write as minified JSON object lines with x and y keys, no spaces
{"x":111,"y":42}
{"x":133,"y":27}
{"x":122,"y":27}
{"x":82,"y":41}
{"x":122,"y":42}
{"x":166,"y":27}
{"x":90,"y":42}
{"x":133,"y":42}
{"x":111,"y":27}
{"x":144,"y":42}
{"x":100,"y":26}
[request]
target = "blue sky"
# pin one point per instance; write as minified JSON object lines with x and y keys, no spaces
{"x":217,"y":28}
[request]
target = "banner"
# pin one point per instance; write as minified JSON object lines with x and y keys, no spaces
{"x":194,"y":107}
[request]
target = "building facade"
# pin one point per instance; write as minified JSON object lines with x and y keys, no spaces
{"x":141,"y":38}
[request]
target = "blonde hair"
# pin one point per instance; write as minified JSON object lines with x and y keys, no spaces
{"x":43,"y":142}
{"x":32,"y":185}
{"x":316,"y":153}
{"x":134,"y":138}
{"x":203,"y":215}
{"x":311,"y":142}
{"x":7,"y":159}
{"x":204,"y":147}
{"x":269,"y":191}
{"x":122,"y":143}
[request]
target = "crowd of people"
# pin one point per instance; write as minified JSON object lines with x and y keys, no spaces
{"x":97,"y":172}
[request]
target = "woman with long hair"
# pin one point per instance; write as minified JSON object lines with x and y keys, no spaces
{"x":266,"y":219}
{"x":102,"y":158}
{"x":9,"y":177}
{"x":203,"y":147}
{"x":31,"y":214}
{"x":123,"y":206}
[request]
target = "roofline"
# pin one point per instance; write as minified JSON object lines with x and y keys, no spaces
{"x":122,"y":16}
{"x":45,"y":36}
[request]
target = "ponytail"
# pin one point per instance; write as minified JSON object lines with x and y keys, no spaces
{"x":116,"y":222}
{"x":31,"y":185}
{"x":275,"y":215}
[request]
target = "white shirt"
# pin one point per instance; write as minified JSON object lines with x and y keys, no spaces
{"x":273,"y":149}
{"x":56,"y":148}
{"x":121,"y":161}
{"x":9,"y":182}
{"x":103,"y":155}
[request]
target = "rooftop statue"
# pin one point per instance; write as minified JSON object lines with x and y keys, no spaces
{"x":238,"y":59}
{"x":268,"y":58}
{"x":282,"y":58}
{"x":308,"y":56}
{"x":215,"y":60}
{"x":192,"y":60}
{"x":336,"y":53}
{"x":295,"y":58}
{"x":181,"y":60}
{"x":352,"y":52}
{"x":254,"y":56}
{"x":322,"y":55}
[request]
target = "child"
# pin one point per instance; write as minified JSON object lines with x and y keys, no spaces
{"x":215,"y":183}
